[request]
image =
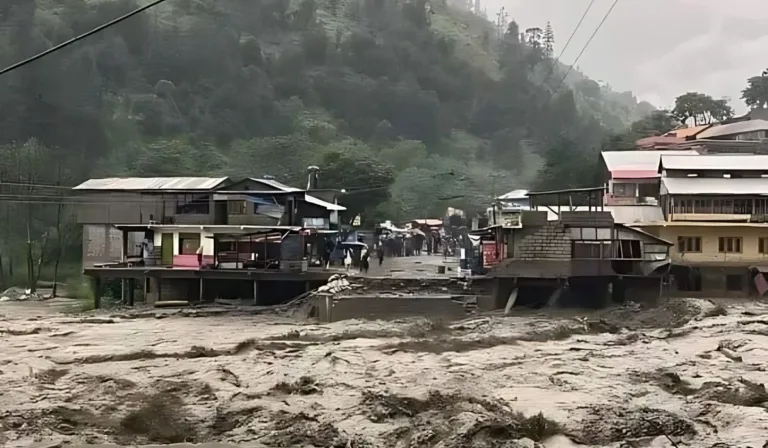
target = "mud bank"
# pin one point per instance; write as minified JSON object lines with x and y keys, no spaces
{"x":687,"y":372}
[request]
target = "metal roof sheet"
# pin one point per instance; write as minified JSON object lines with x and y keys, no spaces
{"x":658,"y":141}
{"x":740,"y":127}
{"x":638,"y":160}
{"x":514,"y":194}
{"x":717,"y":162}
{"x":718,"y":185}
{"x":152,"y":183}
{"x":275,"y":184}
{"x":688,"y":132}
{"x":324,"y":204}
{"x":622,"y":214}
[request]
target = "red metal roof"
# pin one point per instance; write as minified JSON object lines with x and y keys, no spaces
{"x":658,"y":142}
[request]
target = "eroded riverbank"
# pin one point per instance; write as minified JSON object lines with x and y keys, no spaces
{"x":687,"y":371}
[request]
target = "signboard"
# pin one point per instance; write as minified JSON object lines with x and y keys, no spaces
{"x":512,"y":220}
{"x":489,"y":253}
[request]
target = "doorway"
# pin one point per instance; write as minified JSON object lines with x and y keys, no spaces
{"x":166,"y":249}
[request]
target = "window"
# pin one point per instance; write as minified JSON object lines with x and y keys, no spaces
{"x":742,"y":206}
{"x":762,"y":245}
{"x":688,"y":244}
{"x":236,"y":207}
{"x":192,"y":204}
{"x":592,"y":249}
{"x":729,"y":245}
{"x":189,"y":243}
{"x":587,"y":233}
{"x":629,"y":249}
{"x":625,"y":190}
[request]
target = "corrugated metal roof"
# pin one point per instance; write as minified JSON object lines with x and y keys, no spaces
{"x":622,"y":214}
{"x":688,"y":132}
{"x":717,"y":162}
{"x":658,"y":141}
{"x":324,"y":204}
{"x":152,"y":183}
{"x":275,"y":184}
{"x":734,"y":128}
{"x":717,"y":185}
{"x":638,"y":160}
{"x":515,"y":194}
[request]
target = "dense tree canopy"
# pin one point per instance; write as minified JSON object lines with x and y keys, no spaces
{"x":700,"y":108}
{"x":755,"y":95}
{"x":386,"y":97}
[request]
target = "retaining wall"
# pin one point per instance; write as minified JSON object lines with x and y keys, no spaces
{"x":388,"y":308}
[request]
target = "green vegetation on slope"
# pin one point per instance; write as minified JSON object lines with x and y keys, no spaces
{"x":411,"y":105}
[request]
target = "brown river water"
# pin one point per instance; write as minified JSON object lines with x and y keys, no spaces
{"x":687,"y":373}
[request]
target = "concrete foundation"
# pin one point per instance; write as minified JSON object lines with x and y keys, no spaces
{"x":387,"y":308}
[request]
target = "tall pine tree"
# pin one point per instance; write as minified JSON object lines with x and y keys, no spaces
{"x":549,"y":41}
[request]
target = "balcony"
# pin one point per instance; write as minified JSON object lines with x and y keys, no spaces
{"x":723,"y":210}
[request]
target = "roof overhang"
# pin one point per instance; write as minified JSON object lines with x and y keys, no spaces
{"x":324,"y":204}
{"x":222,"y":229}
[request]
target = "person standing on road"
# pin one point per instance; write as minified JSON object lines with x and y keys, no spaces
{"x":380,"y":254}
{"x":364,"y":264}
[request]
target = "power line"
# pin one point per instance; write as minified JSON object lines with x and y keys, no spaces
{"x":578,"y":25}
{"x":80,"y":37}
{"x":588,"y":42}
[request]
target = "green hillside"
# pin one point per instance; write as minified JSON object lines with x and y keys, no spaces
{"x":414,"y":105}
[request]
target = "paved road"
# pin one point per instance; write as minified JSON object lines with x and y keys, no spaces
{"x":418,"y":266}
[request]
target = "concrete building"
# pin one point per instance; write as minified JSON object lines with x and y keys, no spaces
{"x":580,"y":257}
{"x":716,"y":212}
{"x":632,"y":177}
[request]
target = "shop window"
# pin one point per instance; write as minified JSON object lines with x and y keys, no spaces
{"x":691,"y":281}
{"x":734,"y":283}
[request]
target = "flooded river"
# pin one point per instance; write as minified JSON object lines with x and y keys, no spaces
{"x":688,"y":374}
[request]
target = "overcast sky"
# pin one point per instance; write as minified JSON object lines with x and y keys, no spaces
{"x":658,"y":49}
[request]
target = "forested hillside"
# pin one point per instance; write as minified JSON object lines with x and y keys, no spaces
{"x":411,"y":105}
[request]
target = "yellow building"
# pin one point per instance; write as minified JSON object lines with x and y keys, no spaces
{"x":716,"y":212}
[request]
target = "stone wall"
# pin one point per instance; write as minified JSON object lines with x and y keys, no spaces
{"x":550,"y":242}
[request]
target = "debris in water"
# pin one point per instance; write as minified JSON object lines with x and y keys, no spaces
{"x":604,"y":425}
{"x":161,"y":418}
{"x":306,"y":385}
{"x":14,"y":294}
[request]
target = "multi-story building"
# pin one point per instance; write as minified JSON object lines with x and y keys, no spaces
{"x":194,"y":238}
{"x":715,"y":210}
{"x":576,"y":256}
{"x":632,"y":177}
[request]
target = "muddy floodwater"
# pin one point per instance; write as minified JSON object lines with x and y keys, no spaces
{"x":688,"y":373}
